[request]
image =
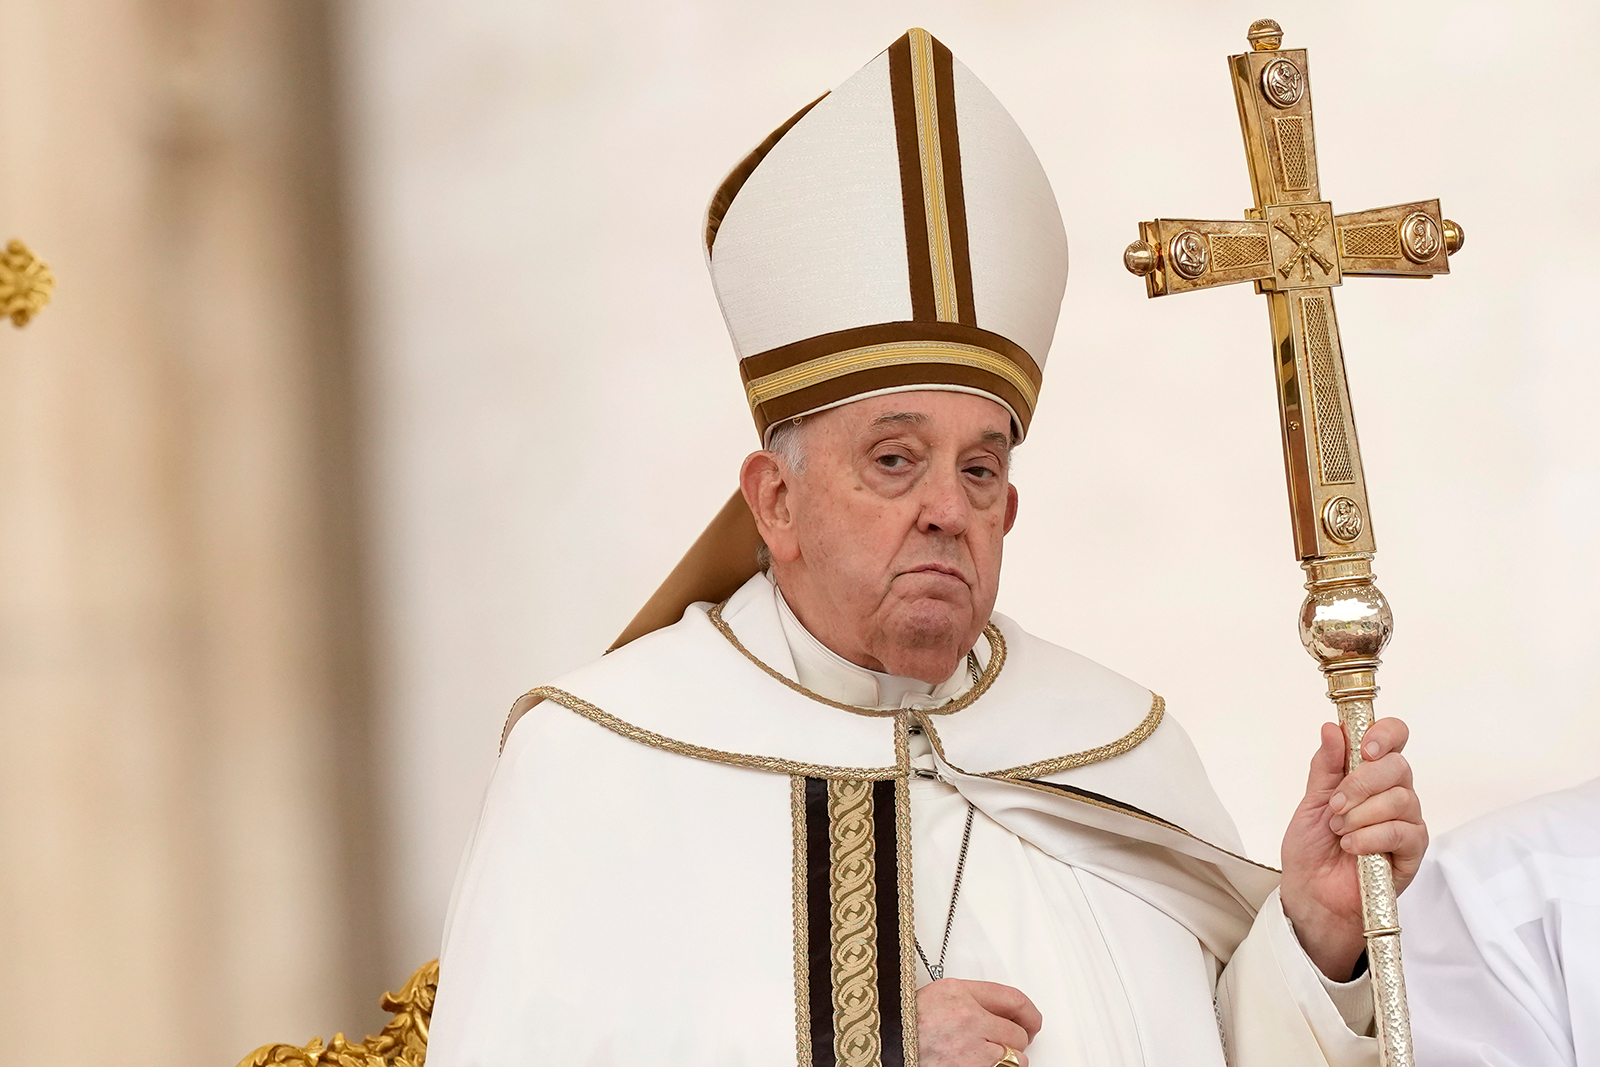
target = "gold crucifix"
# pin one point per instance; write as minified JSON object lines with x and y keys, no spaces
{"x":1296,"y":250}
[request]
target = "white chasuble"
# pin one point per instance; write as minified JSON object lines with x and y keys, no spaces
{"x":687,"y":856}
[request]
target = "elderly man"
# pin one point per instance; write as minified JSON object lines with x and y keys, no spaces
{"x":840,"y":812}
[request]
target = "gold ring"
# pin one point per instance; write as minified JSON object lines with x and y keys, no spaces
{"x":1009,"y":1059}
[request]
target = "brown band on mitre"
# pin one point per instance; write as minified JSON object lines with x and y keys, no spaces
{"x":722,"y":200}
{"x":918,"y":260}
{"x":834,"y":367}
{"x":939,"y":264}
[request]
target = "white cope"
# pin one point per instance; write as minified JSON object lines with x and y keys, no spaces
{"x":622,"y":904}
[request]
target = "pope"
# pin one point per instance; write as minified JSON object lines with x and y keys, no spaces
{"x":823,"y":805}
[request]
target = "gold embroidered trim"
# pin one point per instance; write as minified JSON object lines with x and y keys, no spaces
{"x":997,"y":660}
{"x":890,"y":354}
{"x":1072,"y":760}
{"x":935,"y":205}
{"x":857,"y":1022}
{"x":908,"y":924}
{"x":802,"y":932}
{"x":714,"y":755}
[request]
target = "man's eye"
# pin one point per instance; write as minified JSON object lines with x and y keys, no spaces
{"x":892,"y":461}
{"x":980,"y":472}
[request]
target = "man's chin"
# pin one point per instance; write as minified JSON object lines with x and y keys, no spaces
{"x":924,"y":633}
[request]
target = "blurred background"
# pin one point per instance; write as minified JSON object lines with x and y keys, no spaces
{"x":383,"y":383}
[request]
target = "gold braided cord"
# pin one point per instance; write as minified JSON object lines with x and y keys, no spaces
{"x":714,"y":755}
{"x":1072,"y":760}
{"x":908,"y":925}
{"x":890,"y":354}
{"x":857,"y":1020}
{"x":802,"y":930}
{"x":997,"y":660}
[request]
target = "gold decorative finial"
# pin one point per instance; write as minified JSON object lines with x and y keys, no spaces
{"x":1454,"y":237}
{"x":25,"y":283}
{"x":1265,"y":35}
{"x":1139,"y":258}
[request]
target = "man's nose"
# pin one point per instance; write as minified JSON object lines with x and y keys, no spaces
{"x":945,"y":508}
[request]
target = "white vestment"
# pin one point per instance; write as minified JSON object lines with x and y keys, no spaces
{"x":1502,"y":938}
{"x":683,"y":858}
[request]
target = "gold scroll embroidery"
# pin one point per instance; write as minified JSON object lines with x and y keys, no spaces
{"x":857,"y":1023}
{"x":934,"y":202}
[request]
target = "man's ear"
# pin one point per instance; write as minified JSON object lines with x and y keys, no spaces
{"x":1011,"y":507}
{"x":766,"y":490}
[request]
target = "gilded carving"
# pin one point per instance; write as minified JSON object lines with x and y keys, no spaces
{"x":402,"y":1043}
{"x":26,"y":283}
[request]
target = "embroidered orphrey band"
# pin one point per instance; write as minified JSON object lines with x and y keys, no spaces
{"x":857,"y":1040}
{"x":853,"y":1007}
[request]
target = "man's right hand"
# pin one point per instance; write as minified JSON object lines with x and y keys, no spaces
{"x":971,"y":1024}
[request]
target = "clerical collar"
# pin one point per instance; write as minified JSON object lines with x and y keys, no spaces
{"x":828,"y":674}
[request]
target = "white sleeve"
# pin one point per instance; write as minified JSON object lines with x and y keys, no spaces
{"x":1478,"y":999}
{"x":1274,"y":1008}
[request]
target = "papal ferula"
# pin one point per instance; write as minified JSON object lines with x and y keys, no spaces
{"x":849,"y":815}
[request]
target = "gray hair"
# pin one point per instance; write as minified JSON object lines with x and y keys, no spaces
{"x":788,"y":443}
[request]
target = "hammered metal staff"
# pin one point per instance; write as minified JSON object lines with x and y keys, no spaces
{"x":1296,"y":250}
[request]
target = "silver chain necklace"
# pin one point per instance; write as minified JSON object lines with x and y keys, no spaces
{"x":936,"y":970}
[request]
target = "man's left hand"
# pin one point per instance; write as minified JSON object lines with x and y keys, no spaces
{"x":1371,"y":810}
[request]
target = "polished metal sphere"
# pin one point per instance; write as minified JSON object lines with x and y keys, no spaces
{"x":1345,"y":623}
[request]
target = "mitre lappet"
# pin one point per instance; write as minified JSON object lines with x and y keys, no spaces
{"x":898,"y":233}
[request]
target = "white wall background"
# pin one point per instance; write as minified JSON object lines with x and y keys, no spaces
{"x":558,"y":410}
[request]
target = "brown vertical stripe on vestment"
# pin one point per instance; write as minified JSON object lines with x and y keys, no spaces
{"x":819,"y":918}
{"x":886,"y":853}
{"x":954,"y":191}
{"x":919,"y":258}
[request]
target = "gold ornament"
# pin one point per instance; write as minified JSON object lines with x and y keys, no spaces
{"x":403,"y":1042}
{"x":25,"y":283}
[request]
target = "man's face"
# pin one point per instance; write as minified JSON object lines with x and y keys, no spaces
{"x":887,"y":542}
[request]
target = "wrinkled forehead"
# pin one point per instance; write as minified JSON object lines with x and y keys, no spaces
{"x":955,"y":418}
{"x":944,"y":413}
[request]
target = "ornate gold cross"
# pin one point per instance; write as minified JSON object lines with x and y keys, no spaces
{"x":1296,"y":250}
{"x":25,"y":283}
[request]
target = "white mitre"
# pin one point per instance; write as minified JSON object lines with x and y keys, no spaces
{"x":897,"y":234}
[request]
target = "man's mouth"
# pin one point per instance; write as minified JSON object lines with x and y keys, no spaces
{"x":938,"y":568}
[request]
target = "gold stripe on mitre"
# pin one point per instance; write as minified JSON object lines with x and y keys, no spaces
{"x":893,"y":354}
{"x":829,"y":369}
{"x":935,"y":203}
